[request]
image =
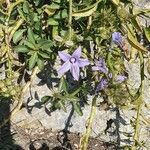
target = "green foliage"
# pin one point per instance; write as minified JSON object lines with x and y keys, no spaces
{"x":37,"y":30}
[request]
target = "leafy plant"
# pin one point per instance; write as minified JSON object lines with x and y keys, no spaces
{"x":36,"y":33}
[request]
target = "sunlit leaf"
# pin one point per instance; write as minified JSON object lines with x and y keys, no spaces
{"x":116,"y":2}
{"x":77,"y":108}
{"x":29,"y":44}
{"x":52,"y":21}
{"x":40,"y":63}
{"x":147,"y":33}
{"x":18,"y":35}
{"x":21,"y":48}
{"x":26,"y":7}
{"x":43,"y":54}
{"x":30,"y":35}
{"x":45,"y":99}
{"x":63,"y":86}
{"x":54,"y":6}
{"x":33,"y":60}
{"x":62,"y":106}
{"x":87,"y":11}
{"x":135,"y":43}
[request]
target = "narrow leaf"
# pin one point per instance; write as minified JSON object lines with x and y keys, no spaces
{"x":77,"y":108}
{"x":87,"y":11}
{"x":31,"y":37}
{"x":33,"y":60}
{"x":116,"y":2}
{"x":63,"y":86}
{"x":44,"y":44}
{"x":18,"y":35}
{"x":26,"y":7}
{"x":52,"y":22}
{"x":135,"y":43}
{"x":29,"y":44}
{"x":147,"y":33}
{"x":40,"y":63}
{"x":43,"y":54}
{"x":21,"y":48}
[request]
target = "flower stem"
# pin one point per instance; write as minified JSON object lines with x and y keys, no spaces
{"x":139,"y":105}
{"x":70,"y":19}
{"x":84,"y":139}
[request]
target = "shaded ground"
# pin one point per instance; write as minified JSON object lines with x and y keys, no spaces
{"x":47,"y":140}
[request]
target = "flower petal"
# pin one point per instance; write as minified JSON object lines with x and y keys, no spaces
{"x":117,"y":38}
{"x":120,"y":78}
{"x":64,"y":68}
{"x":95,"y":68}
{"x":102,"y":85}
{"x":83,"y":62}
{"x":77,"y":52}
{"x":103,"y":69}
{"x":64,"y":56}
{"x":75,"y":71}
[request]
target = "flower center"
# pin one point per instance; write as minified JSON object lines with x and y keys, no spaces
{"x":72,"y":60}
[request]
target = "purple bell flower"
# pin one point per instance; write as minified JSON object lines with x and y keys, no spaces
{"x":102,"y":84}
{"x":117,"y":38}
{"x":101,"y":66}
{"x":72,"y":62}
{"x":120,"y":78}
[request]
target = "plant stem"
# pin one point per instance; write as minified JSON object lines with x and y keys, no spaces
{"x":84,"y":139}
{"x":70,"y":19}
{"x":89,"y":22}
{"x":140,"y":102}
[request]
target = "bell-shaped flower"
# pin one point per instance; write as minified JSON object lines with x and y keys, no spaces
{"x":72,"y":62}
{"x":100,"y":66}
{"x":120,"y":78}
{"x":102,"y":84}
{"x":117,"y":38}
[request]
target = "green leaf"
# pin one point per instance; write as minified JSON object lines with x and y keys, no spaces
{"x":124,"y":14}
{"x":52,"y":22}
{"x":76,"y":91}
{"x":45,"y":99}
{"x":136,"y":24}
{"x":62,"y":105}
{"x":45,"y":44}
{"x":21,"y":48}
{"x":30,"y":35}
{"x":40,"y":63}
{"x":77,"y":108}
{"x":43,"y":54}
{"x":87,"y":11}
{"x":63,"y":86}
{"x":61,"y":14}
{"x":26,"y":7}
{"x":18,"y":35}
{"x":54,"y":6}
{"x":29,"y":44}
{"x":33,"y":60}
{"x":135,"y":43}
{"x":49,"y":11}
{"x":147,"y":33}
{"x":21,"y":13}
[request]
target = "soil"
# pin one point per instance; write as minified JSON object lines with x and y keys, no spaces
{"x":29,"y":139}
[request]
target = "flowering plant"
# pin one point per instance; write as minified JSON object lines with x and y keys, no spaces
{"x":85,"y":45}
